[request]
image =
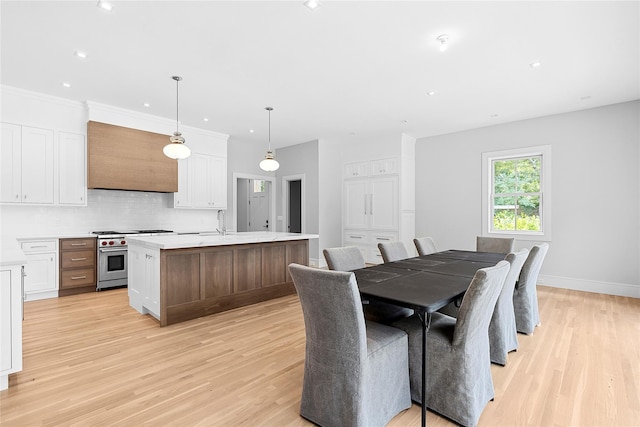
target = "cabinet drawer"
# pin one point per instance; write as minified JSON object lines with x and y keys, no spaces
{"x":43,"y":246}
{"x":73,"y":244}
{"x":83,"y":258}
{"x":78,"y":277}
{"x":355,"y":237}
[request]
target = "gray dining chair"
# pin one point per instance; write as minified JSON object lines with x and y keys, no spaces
{"x":425,"y":245}
{"x":525,"y":295}
{"x":503,"y":337}
{"x":459,"y":383}
{"x":347,"y":258}
{"x":355,"y":372}
{"x":350,"y":258}
{"x":499,"y":245}
{"x":393,"y":251}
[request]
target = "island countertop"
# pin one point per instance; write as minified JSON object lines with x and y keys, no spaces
{"x":180,"y":241}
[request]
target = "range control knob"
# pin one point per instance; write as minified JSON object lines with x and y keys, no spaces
{"x":104,"y":243}
{"x":123,"y":242}
{"x":110,"y":242}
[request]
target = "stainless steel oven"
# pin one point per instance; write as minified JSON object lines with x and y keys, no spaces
{"x":112,"y":261}
{"x":112,"y":256}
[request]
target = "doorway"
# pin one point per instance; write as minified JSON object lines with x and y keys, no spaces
{"x":293,"y":203}
{"x":253,"y":200}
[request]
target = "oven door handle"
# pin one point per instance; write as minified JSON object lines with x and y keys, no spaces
{"x":112,"y":250}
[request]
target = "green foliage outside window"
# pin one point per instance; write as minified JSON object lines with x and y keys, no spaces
{"x":516,"y":194}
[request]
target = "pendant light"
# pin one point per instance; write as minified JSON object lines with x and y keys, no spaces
{"x":176,"y":148}
{"x":269,"y":163}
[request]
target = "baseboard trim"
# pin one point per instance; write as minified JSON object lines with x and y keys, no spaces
{"x":619,"y":289}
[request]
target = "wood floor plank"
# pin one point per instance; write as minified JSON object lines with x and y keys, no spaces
{"x":90,"y":359}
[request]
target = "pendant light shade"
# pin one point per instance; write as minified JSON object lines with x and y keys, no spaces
{"x":176,"y":149}
{"x":269,"y":164}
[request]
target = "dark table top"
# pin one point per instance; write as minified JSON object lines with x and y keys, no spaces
{"x":426,"y":283}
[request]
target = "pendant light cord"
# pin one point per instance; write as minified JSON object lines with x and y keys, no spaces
{"x":269,"y":130}
{"x":177,"y":105}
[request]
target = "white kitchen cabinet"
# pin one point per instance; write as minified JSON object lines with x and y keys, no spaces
{"x":72,"y":169}
{"x":209,"y":181}
{"x":202,"y":182}
{"x":27,"y":165}
{"x":371,"y":206}
{"x":371,"y":203}
{"x":10,"y":322}
{"x":144,"y":279}
{"x":41,"y":270}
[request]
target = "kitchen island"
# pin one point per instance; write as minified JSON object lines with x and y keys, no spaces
{"x":181,"y":277}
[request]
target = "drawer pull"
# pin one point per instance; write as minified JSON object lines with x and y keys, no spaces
{"x":37,"y":246}
{"x":356,"y":237}
{"x":78,"y":277}
{"x":382,"y":238}
{"x":79,"y":259}
{"x":79,"y":244}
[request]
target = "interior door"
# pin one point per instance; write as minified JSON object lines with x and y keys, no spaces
{"x":259,"y":197}
{"x":295,"y":207}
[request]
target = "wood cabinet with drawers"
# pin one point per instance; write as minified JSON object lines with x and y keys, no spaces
{"x":77,"y":266}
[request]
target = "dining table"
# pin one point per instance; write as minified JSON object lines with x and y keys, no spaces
{"x":425,"y":284}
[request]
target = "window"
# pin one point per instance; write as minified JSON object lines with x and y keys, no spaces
{"x":516,"y":187}
{"x":259,"y":186}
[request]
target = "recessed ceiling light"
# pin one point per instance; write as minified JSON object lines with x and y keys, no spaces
{"x":404,"y":122}
{"x":584,"y":98}
{"x":80,"y":54}
{"x":205,"y":119}
{"x":431,"y":92}
{"x":444,"y":41}
{"x":311,"y":4}
{"x":65,"y":84}
{"x":493,"y":116}
{"x":535,"y":64}
{"x":250,"y":130}
{"x":146,"y":104}
{"x":104,"y":5}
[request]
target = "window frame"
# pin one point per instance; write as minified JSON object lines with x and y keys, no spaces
{"x":544,"y":151}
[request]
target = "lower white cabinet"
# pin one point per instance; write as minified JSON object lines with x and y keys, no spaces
{"x":41,"y":270}
{"x":144,"y":279}
{"x":10,"y":322}
{"x":367,"y":242}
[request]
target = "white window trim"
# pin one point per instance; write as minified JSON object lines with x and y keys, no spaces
{"x":545,"y":186}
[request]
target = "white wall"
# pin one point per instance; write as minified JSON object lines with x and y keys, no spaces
{"x":330,"y":196}
{"x":596,"y":192}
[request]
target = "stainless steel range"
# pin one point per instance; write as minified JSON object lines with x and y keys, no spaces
{"x":112,"y":256}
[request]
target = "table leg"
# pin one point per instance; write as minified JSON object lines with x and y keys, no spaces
{"x":426,"y":323}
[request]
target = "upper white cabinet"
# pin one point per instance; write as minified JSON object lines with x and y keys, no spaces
{"x":202,"y":182}
{"x":72,"y":176}
{"x":356,"y":170}
{"x":27,"y":165}
{"x":37,"y":170}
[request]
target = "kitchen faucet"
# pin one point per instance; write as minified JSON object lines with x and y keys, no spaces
{"x":222,"y":232}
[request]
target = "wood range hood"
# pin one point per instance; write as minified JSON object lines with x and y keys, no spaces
{"x":120,"y":158}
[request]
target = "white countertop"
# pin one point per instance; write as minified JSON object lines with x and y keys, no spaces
{"x":180,"y":241}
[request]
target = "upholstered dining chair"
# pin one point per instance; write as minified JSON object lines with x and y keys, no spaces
{"x":459,"y":383}
{"x":350,"y":258}
{"x":355,"y":372}
{"x":499,"y":245}
{"x":347,"y":258}
{"x":425,"y":245}
{"x":503,"y":337}
{"x":393,"y":251}
{"x":525,"y":295}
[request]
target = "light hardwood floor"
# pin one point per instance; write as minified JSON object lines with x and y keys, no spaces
{"x":90,"y":359}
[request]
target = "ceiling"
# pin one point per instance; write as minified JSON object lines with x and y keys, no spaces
{"x":346,"y":68}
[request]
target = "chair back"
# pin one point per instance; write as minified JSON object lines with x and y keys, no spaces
{"x":478,"y":304}
{"x":517,"y":260}
{"x":333,"y":318}
{"x":531,"y":267}
{"x":393,"y":251}
{"x":499,"y":245}
{"x":425,"y":245}
{"x":344,"y":259}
